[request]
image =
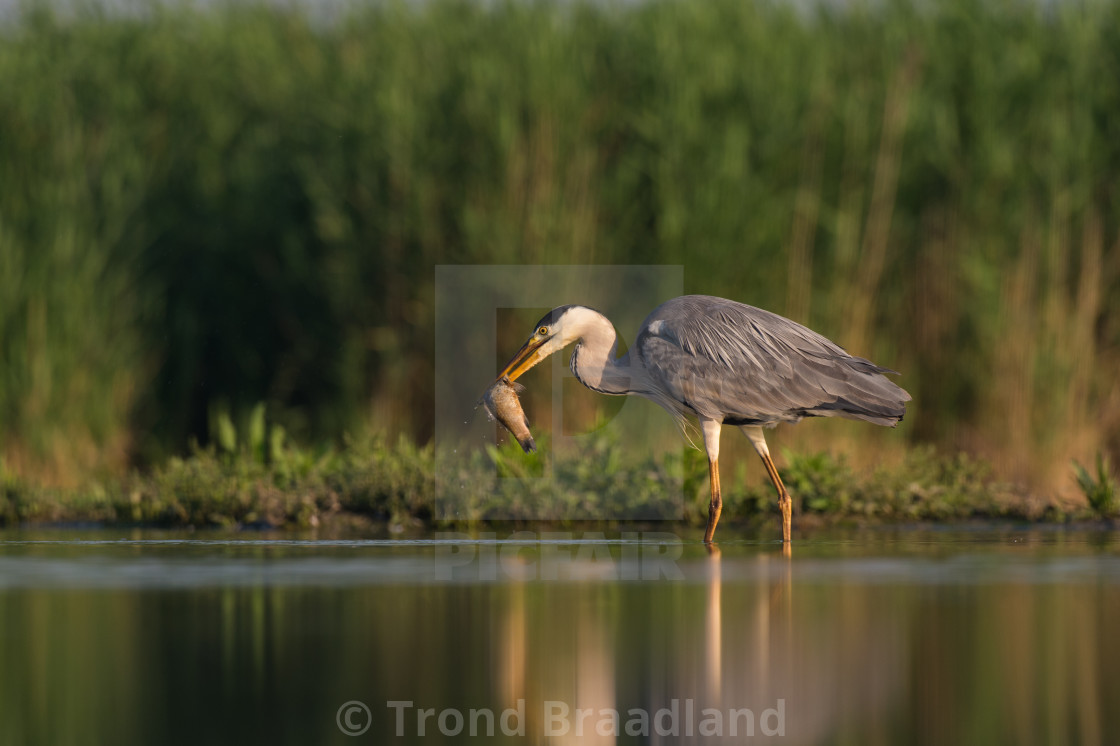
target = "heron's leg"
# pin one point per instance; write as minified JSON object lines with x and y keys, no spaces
{"x":716,"y":505}
{"x":711,"y":428}
{"x":785,"y":502}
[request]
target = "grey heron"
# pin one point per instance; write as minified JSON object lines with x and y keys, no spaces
{"x":725,"y":363}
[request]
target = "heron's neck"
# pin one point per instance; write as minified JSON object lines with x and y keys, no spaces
{"x":595,"y":360}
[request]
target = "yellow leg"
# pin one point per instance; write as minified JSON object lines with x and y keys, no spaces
{"x":716,"y":506}
{"x":785,"y":502}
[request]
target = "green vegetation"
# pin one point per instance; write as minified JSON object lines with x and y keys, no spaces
{"x":207,"y":207}
{"x":358,"y":482}
{"x":367,"y":482}
{"x":1100,"y":491}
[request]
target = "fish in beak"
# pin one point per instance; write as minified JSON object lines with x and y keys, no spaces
{"x":503,"y":405}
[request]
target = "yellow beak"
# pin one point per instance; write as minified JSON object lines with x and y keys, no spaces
{"x":525,"y":359}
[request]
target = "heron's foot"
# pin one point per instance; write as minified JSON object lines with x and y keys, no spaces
{"x":714,"y":511}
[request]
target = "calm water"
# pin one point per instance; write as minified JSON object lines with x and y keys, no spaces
{"x":882,"y":636}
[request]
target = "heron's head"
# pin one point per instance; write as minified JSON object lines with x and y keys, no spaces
{"x":556,"y":330}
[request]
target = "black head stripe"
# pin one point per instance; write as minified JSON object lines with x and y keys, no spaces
{"x":554,"y":315}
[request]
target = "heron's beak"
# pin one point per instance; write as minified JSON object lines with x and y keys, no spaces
{"x":528,"y":356}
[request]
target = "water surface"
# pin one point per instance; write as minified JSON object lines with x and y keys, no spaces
{"x":979,"y":635}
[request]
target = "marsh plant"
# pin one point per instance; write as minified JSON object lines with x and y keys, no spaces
{"x":374,"y":484}
{"x":1099,"y":489}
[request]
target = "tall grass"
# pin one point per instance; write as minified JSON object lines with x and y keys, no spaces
{"x":220,"y":206}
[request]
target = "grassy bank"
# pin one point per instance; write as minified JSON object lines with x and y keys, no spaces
{"x":209,"y":206}
{"x":371,"y":485}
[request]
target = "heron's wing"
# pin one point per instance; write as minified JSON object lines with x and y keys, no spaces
{"x":744,"y":365}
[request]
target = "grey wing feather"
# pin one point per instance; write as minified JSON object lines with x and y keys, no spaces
{"x":743,"y":365}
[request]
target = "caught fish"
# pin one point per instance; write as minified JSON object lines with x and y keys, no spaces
{"x":503,"y":405}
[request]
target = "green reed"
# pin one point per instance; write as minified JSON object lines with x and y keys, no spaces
{"x":214,"y":207}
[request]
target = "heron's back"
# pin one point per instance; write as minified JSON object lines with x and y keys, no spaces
{"x":747,"y":366}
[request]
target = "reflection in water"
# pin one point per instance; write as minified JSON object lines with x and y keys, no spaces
{"x":932,"y":639}
{"x":714,"y":617}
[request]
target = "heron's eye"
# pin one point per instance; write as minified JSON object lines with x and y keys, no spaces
{"x":542,"y":331}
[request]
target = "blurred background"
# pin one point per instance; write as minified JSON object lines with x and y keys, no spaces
{"x":209,"y":206}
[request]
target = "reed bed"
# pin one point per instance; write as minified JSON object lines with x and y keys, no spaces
{"x":208,"y":207}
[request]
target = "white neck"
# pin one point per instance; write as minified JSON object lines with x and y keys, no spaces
{"x":594,"y":360}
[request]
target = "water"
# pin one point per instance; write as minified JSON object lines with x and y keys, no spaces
{"x":987,"y":635}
